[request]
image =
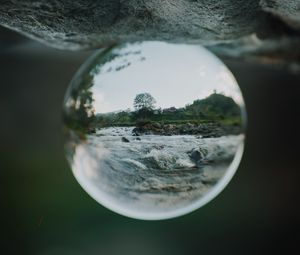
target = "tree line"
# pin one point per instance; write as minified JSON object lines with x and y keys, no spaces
{"x":215,"y":107}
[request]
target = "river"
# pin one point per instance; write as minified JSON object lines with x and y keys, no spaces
{"x":151,"y":173}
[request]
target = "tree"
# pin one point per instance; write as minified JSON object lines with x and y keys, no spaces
{"x":79,"y":111}
{"x":144,"y":101}
{"x":144,"y":105}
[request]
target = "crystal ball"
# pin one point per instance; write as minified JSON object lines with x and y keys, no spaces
{"x":153,"y":130}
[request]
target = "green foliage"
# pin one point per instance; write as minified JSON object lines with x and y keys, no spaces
{"x":144,"y":105}
{"x":214,"y":108}
{"x":144,"y":101}
{"x":79,"y":112}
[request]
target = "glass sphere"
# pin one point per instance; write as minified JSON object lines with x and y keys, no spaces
{"x":153,"y":130}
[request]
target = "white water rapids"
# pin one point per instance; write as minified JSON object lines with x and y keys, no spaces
{"x":150,"y":173}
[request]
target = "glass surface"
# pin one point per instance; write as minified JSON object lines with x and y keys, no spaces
{"x":154,"y":130}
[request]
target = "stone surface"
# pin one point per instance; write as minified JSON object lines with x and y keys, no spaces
{"x":266,"y":30}
{"x":125,"y":140}
{"x":206,"y":130}
{"x":287,"y":11}
{"x":196,"y":155}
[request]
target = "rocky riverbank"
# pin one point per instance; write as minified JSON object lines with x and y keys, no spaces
{"x":205,"y":130}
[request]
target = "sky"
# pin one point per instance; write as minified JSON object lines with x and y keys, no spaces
{"x":174,"y":74}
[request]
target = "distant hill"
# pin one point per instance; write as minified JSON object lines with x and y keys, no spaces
{"x":215,"y":105}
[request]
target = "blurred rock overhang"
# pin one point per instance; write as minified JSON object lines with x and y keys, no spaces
{"x":265,"y":31}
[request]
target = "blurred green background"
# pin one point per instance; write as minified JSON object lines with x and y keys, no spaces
{"x":45,"y":211}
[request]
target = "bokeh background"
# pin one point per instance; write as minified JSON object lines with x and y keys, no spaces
{"x":43,"y":210}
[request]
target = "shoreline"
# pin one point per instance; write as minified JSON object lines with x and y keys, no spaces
{"x":205,"y":130}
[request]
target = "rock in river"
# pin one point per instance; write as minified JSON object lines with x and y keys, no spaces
{"x":125,"y":140}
